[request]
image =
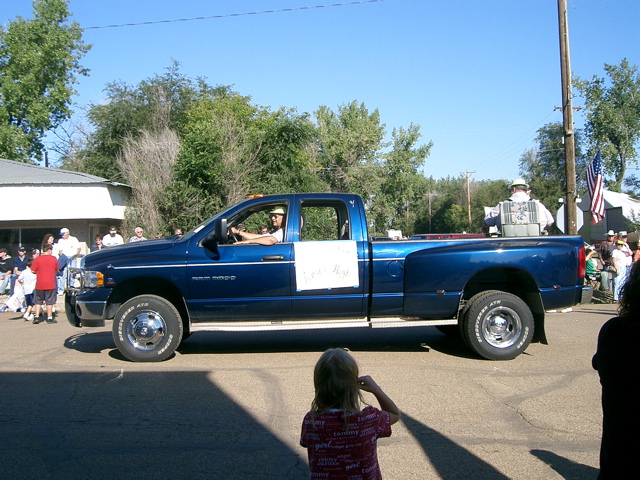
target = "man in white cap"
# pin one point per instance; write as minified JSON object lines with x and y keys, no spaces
{"x":68,"y":244}
{"x":112,"y":238}
{"x":277,"y":217}
{"x":519,"y":190}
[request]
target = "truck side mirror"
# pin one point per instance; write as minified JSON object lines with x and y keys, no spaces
{"x":220,"y":230}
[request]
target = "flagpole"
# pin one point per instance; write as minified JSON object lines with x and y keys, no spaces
{"x":567,"y":118}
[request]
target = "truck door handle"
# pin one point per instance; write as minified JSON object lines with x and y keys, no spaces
{"x":272,"y":258}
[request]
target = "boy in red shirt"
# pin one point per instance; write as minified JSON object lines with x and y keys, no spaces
{"x":45,"y":267}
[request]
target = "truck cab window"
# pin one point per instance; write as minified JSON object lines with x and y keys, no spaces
{"x":324,"y":221}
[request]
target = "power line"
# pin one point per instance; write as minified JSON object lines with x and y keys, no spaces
{"x":512,"y":147}
{"x":210,"y":17}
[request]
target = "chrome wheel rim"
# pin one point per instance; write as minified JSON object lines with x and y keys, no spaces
{"x":501,"y":327}
{"x":146,"y":330}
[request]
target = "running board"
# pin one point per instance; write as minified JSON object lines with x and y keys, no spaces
{"x":317,"y":324}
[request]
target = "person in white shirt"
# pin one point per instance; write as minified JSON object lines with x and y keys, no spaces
{"x":622,"y":260}
{"x":68,"y":244}
{"x":519,"y":190}
{"x":113,"y":238}
{"x":138,"y":235}
{"x":66,"y":247}
{"x":28,"y":281}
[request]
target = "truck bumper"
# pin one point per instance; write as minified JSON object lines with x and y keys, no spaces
{"x":90,"y":307}
{"x":91,"y":313}
{"x":587,"y":294}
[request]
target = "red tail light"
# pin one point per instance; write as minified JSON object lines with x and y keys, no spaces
{"x":582,"y":263}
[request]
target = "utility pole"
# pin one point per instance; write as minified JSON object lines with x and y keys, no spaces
{"x":468,"y":174}
{"x":430,"y":195}
{"x":567,"y":120}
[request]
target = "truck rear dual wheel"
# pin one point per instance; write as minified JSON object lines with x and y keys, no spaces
{"x":497,"y":325}
{"x":147,"y":328}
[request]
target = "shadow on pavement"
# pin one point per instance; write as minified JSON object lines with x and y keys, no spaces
{"x":449,"y":459}
{"x":356,"y":339}
{"x":134,"y":425}
{"x":94,"y":342}
{"x":405,"y":339}
{"x":453,"y":462}
{"x":567,"y":469}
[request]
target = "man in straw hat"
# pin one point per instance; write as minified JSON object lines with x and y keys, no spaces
{"x":277,"y":217}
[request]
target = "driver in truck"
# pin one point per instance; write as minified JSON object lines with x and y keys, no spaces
{"x":277,"y":216}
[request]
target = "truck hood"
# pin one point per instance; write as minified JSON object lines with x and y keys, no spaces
{"x":128,"y":250}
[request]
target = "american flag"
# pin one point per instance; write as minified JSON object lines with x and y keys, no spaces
{"x":595,"y":184}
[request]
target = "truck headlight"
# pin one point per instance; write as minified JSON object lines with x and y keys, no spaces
{"x":93,"y":279}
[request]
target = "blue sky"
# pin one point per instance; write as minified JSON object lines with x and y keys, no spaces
{"x":478,"y":76}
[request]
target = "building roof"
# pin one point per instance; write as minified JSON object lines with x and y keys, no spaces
{"x":18,"y":173}
{"x":630,"y":206}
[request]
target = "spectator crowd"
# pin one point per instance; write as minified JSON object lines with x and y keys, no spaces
{"x":609,"y":263}
{"x":20,"y":281}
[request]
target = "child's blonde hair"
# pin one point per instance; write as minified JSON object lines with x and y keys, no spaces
{"x":335,"y":378}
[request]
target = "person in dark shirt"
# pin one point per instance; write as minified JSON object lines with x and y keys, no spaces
{"x":604,"y":251}
{"x":618,"y":364}
{"x":19,"y":265}
{"x":97,"y":245}
{"x":6,"y":270}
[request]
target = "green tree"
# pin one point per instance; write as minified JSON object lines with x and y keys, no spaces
{"x":543,"y":166}
{"x":450,"y":201}
{"x":424,"y":208}
{"x":39,"y":64}
{"x":153,"y":105}
{"x":232,"y":148}
{"x":349,"y":142}
{"x":455,"y":218}
{"x":613,"y":118}
{"x":220,"y":146}
{"x":487,"y":193}
{"x":402,"y":184}
{"x":289,"y":154}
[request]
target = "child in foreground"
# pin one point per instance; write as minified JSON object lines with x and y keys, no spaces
{"x":340,"y":438}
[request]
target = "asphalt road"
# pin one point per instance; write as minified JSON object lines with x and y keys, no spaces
{"x":229,"y":406}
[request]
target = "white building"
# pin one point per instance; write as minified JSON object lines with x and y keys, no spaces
{"x":620,"y":209}
{"x":36,"y":200}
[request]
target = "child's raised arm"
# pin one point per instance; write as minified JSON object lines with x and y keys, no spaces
{"x":368,"y":384}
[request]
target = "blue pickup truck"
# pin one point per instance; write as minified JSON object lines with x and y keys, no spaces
{"x":325,"y":273}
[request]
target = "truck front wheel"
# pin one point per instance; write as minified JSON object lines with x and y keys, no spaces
{"x":147,"y":328}
{"x":497,"y":325}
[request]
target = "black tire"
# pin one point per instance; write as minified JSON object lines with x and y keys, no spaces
{"x":70,"y":311}
{"x":497,"y":325}
{"x":147,"y":328}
